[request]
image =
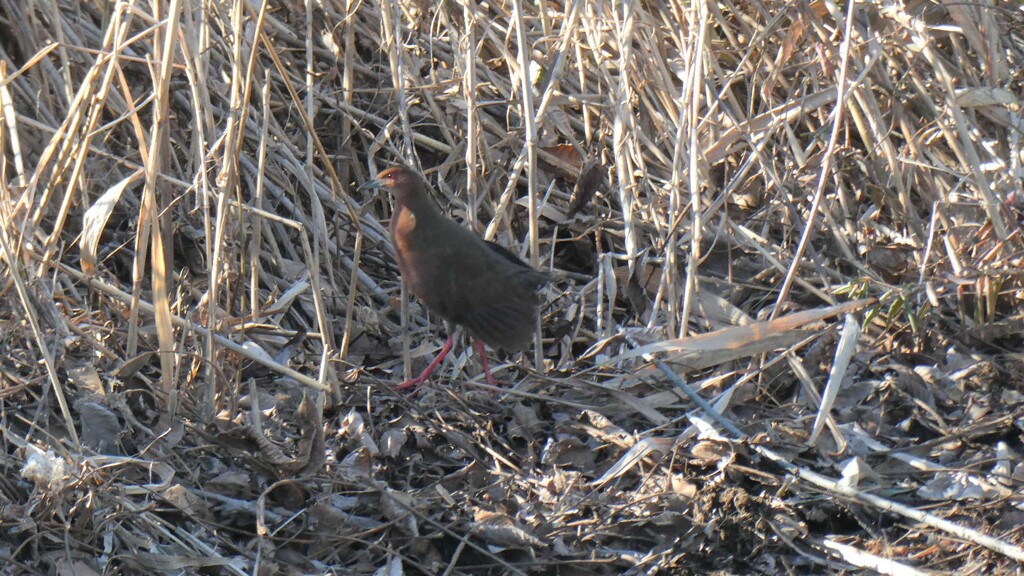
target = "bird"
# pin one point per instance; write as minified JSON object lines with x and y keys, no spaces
{"x":468,"y":281}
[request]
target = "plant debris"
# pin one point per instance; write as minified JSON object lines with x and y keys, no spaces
{"x":203,"y":321}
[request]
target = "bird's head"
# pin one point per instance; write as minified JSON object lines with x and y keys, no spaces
{"x":400,"y":182}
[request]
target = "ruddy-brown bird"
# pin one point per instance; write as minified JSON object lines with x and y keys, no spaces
{"x":466,"y":280}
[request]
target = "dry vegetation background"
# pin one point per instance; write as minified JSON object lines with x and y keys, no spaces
{"x":807,"y":211}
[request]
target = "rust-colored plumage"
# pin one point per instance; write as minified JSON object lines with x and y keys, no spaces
{"x":466,"y":280}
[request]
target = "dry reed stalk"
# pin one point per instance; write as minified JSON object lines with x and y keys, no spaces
{"x":756,"y":162}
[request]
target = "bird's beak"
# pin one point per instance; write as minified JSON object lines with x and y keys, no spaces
{"x":371,"y":185}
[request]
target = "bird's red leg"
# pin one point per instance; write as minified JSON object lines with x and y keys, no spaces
{"x":429,"y":369}
{"x":479,"y":347}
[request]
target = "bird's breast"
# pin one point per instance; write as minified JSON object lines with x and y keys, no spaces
{"x":403,"y":224}
{"x":408,"y":252}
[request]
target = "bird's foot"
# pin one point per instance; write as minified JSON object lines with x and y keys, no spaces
{"x":479,"y":347}
{"x":415,"y":382}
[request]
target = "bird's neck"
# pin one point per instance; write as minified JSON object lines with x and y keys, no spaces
{"x":420,"y":204}
{"x":415,"y":215}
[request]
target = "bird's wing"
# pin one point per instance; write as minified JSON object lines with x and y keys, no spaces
{"x":493,"y":295}
{"x":501,"y":311}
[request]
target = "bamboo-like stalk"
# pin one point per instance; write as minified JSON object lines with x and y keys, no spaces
{"x":763,"y":170}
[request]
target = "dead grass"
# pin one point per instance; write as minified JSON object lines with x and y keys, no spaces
{"x":811,"y":219}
